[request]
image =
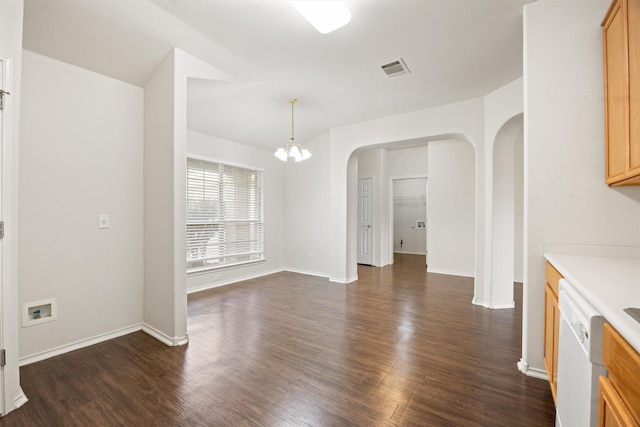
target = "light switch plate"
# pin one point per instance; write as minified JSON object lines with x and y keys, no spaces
{"x":103,"y":221}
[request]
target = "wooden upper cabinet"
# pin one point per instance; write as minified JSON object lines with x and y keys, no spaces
{"x":621,"y":44}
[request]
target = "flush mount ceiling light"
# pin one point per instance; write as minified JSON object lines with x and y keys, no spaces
{"x":291,"y":150}
{"x":325,"y":16}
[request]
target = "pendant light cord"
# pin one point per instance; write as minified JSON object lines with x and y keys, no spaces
{"x":292,"y":101}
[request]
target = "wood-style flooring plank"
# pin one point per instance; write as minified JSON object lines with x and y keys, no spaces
{"x":398,"y":347}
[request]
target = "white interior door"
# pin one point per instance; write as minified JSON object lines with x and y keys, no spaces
{"x":365,"y":221}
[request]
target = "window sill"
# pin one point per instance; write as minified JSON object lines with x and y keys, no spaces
{"x":209,"y":270}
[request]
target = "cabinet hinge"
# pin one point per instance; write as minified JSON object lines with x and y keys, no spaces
{"x":3,"y":357}
{"x":2,"y":94}
{"x":1,"y":229}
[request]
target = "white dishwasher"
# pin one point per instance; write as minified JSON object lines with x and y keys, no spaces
{"x":579,"y":360}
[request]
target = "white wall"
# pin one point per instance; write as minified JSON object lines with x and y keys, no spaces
{"x":518,"y":208}
{"x":566,"y":199}
{"x":409,"y":206}
{"x":451,"y":208}
{"x":227,"y":151}
{"x":306,"y":211}
{"x":80,"y":156}
{"x":159,"y":180}
{"x":11,"y":14}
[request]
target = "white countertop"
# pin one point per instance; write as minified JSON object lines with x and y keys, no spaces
{"x":610,"y":284}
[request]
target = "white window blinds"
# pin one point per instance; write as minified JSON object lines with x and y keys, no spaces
{"x":224,"y":215}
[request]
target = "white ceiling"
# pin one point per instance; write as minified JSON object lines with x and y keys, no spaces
{"x":455,"y":49}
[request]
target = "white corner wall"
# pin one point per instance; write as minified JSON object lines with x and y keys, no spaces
{"x":451,"y":208}
{"x":160,"y":296}
{"x":227,"y":151}
{"x":165,"y":152}
{"x":306,"y":211}
{"x":80,"y":156}
{"x":566,"y":199}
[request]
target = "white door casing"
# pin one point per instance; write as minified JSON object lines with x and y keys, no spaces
{"x":3,"y":96}
{"x":365,"y":221}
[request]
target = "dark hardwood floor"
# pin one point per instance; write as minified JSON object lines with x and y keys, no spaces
{"x":398,"y":347}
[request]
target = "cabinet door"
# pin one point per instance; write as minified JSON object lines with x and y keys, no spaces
{"x":616,"y":80}
{"x":623,"y":368}
{"x":633,"y":8}
{"x":611,"y":409}
{"x":551,"y":329}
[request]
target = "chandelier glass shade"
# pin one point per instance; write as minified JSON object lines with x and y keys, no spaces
{"x":291,"y":150}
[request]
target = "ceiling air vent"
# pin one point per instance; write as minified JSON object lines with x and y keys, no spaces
{"x":395,"y":68}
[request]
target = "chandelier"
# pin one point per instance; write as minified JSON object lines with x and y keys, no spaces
{"x":291,"y":150}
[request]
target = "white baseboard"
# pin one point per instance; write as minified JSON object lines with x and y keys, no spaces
{"x":233,"y":281}
{"x":37,"y":357}
{"x":504,"y":306}
{"x":164,"y":338}
{"x":448,"y":273}
{"x":481,"y":303}
{"x":476,"y":301}
{"x":532,"y":372}
{"x":410,"y":253}
{"x":19,"y":400}
{"x":344,"y":281}
{"x":307,"y":273}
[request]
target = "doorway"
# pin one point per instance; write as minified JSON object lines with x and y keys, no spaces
{"x":410,"y":216}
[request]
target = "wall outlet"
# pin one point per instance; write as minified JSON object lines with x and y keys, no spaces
{"x":103,"y":221}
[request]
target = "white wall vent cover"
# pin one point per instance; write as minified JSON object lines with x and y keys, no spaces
{"x":395,"y":68}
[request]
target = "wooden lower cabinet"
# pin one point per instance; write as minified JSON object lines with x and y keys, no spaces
{"x":619,"y":395}
{"x":612,"y":411}
{"x":551,"y":326}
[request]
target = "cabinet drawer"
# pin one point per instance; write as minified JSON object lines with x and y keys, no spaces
{"x":623,"y":365}
{"x":611,"y":409}
{"x":553,"y":277}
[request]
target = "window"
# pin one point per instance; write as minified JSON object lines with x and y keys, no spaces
{"x":224,"y":215}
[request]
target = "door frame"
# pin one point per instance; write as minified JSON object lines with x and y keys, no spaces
{"x":4,"y":137}
{"x":11,"y":394}
{"x":392,"y":211}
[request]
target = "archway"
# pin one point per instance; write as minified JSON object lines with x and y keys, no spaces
{"x":452,"y":213}
{"x":507,"y":209}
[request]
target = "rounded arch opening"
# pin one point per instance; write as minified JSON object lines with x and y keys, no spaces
{"x":450,"y":202}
